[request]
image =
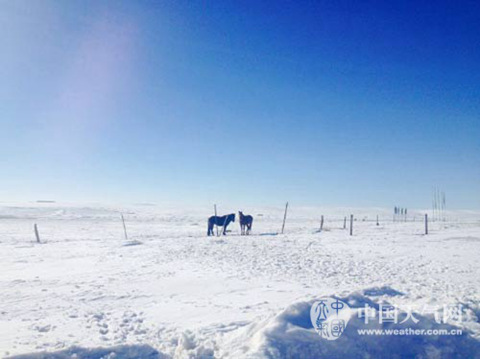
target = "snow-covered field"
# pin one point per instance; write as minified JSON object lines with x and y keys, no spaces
{"x":180,"y":294}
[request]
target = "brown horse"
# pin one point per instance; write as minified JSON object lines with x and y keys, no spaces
{"x":223,"y":221}
{"x":245,"y":223}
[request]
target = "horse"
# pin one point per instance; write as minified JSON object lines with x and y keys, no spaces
{"x":245,"y":223}
{"x":222,"y":221}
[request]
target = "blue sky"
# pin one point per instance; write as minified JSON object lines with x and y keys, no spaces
{"x":342,"y":103}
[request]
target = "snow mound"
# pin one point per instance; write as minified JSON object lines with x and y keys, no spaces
{"x":118,"y":352}
{"x":290,"y":334}
{"x":381,"y":291}
{"x":188,"y":348}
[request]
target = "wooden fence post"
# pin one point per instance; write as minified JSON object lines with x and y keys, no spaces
{"x":351,"y":224}
{"x":321,"y":223}
{"x":124,"y":227}
{"x":284,"y":217}
{"x":37,"y":235}
{"x":345,"y":222}
{"x":426,"y":223}
{"x":377,"y":221}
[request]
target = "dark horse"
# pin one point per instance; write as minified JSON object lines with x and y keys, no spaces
{"x":222,"y":221}
{"x":245,"y":223}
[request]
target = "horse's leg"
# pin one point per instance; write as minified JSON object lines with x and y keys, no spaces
{"x":225,"y":224}
{"x":225,"y":227}
{"x":210,"y":228}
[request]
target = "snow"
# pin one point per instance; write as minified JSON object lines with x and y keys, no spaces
{"x":290,"y":335}
{"x":172,"y":292}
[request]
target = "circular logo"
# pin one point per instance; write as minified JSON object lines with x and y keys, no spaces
{"x":330,"y":317}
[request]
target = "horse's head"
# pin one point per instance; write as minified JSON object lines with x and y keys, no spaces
{"x":240,"y":214}
{"x":232,"y":217}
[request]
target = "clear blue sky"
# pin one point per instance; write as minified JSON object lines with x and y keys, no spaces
{"x":356,"y":103}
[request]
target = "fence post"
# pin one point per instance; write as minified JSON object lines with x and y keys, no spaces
{"x":351,"y":224}
{"x":284,"y":217}
{"x":37,"y":235}
{"x":124,"y":227}
{"x":345,"y":222}
{"x":377,"y":221}
{"x":321,"y":223}
{"x":426,"y":223}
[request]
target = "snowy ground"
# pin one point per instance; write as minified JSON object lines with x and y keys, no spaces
{"x":181,"y":294}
